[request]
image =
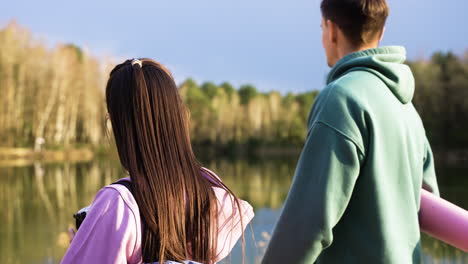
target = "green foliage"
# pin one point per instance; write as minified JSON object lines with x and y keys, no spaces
{"x":246,"y":93}
{"x":305,"y":101}
{"x":441,"y":99}
{"x":56,"y":94}
{"x":225,"y":117}
{"x":228,"y":88}
{"x":210,"y":89}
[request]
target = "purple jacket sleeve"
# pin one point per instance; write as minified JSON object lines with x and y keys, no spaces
{"x":108,"y":234}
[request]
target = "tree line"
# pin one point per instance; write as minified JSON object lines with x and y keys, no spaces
{"x":51,"y":94}
{"x":441,"y":98}
{"x":57,"y":94}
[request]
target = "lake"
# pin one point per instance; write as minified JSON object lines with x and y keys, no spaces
{"x":38,"y":201}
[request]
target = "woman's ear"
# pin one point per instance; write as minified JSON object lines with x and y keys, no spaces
{"x":333,"y":31}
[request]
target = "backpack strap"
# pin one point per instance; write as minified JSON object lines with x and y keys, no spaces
{"x":81,"y":214}
{"x":126,"y":183}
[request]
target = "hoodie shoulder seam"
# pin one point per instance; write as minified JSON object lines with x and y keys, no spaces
{"x":344,"y":135}
{"x":319,"y":119}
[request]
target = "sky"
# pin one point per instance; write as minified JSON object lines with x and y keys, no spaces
{"x":271,"y":44}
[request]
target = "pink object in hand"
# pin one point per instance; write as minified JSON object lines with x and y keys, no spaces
{"x":444,"y":220}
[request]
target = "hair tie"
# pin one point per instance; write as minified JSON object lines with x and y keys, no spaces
{"x":137,"y":61}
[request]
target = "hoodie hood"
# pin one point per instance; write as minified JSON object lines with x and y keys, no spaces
{"x":387,"y":63}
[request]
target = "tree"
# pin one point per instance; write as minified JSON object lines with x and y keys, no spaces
{"x":210,"y":89}
{"x":246,"y":93}
{"x":228,"y":88}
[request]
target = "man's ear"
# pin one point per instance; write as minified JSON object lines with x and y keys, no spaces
{"x":333,"y":30}
{"x":382,"y":34}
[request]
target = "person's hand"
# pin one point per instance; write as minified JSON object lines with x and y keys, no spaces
{"x":71,"y":233}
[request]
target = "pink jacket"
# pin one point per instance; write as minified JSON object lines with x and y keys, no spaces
{"x":112,"y":230}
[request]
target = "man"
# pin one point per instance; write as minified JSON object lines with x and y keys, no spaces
{"x":356,"y":191}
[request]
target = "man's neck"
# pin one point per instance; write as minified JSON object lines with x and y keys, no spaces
{"x":348,"y":49}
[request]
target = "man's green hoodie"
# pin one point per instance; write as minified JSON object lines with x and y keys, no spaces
{"x":356,"y":191}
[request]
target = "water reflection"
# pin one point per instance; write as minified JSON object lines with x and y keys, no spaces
{"x":263,"y":184}
{"x":37,"y":202}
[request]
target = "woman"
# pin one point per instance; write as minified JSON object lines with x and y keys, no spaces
{"x":177,"y":210}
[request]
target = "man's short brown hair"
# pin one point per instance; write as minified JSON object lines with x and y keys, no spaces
{"x":361,"y":21}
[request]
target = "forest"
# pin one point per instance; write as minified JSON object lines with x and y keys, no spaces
{"x":57,"y":94}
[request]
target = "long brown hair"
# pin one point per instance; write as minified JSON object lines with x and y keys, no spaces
{"x":177,"y":202}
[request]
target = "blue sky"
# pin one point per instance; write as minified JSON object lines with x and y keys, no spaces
{"x":274,"y":45}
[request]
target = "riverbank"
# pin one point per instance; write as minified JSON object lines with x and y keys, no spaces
{"x":451,"y":157}
{"x":27,"y":156}
{"x":245,"y":151}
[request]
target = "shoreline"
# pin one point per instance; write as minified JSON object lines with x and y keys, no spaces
{"x":451,"y":157}
{"x":17,"y":157}
{"x":26,"y":156}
